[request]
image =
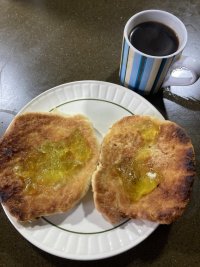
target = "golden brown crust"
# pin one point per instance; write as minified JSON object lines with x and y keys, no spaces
{"x":27,"y":132}
{"x":173,"y":156}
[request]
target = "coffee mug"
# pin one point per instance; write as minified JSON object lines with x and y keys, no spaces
{"x":146,"y":73}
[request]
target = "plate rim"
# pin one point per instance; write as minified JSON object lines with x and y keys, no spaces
{"x":103,"y":255}
{"x":89,"y":81}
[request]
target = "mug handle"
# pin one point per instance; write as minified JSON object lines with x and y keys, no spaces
{"x":183,"y":63}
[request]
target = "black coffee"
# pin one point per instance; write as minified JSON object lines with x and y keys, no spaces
{"x":154,"y":38}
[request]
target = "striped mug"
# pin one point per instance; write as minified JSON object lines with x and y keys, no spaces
{"x":145,"y":73}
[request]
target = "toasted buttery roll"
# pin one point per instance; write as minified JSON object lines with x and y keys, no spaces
{"x":145,"y":171}
{"x":46,"y":163}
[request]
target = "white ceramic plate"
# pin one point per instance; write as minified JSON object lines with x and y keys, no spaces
{"x":83,"y":234}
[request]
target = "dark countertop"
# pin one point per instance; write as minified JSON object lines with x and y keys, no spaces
{"x":47,"y":43}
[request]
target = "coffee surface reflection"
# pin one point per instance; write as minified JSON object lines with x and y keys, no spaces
{"x":154,"y":38}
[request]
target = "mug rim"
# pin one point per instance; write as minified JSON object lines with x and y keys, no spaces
{"x":179,"y":50}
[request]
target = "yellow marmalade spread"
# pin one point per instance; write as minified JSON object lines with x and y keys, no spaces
{"x":53,"y":163}
{"x":138,"y":175}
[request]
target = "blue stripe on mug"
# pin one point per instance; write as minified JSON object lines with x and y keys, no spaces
{"x":140,"y":72}
{"x":134,"y":70}
{"x":124,"y":61}
{"x":122,"y":54}
{"x":163,"y":62}
{"x":146,"y":73}
{"x":164,"y":73}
